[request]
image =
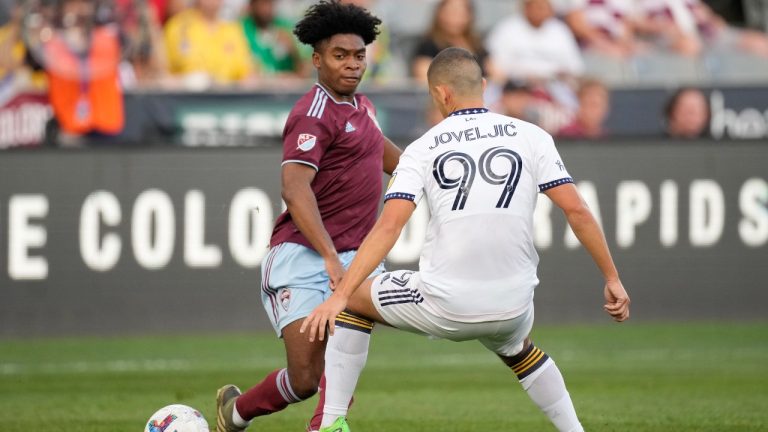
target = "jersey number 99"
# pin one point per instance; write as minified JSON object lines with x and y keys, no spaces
{"x":463,"y":182}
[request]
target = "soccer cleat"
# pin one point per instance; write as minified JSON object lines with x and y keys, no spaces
{"x":340,"y":425}
{"x":225,"y":405}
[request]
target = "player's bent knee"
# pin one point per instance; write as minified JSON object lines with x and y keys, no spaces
{"x":304,"y":382}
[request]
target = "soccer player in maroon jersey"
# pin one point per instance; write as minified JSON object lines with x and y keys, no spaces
{"x":333,"y":157}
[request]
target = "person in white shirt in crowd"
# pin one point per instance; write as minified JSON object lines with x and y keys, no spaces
{"x":539,"y":49}
{"x":534,"y":45}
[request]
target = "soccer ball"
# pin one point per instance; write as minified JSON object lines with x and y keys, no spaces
{"x":177,"y":418}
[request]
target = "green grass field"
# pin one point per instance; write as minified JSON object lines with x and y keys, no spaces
{"x":629,"y":377}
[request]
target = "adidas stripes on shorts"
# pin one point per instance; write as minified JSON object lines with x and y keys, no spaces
{"x":399,"y":297}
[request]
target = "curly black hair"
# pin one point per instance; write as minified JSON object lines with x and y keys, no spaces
{"x":330,"y":17}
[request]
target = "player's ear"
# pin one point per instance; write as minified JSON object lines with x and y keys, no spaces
{"x":441,"y":95}
{"x":485,"y":84}
{"x":316,"y":59}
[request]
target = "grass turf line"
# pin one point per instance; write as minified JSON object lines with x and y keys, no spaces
{"x":635,"y":377}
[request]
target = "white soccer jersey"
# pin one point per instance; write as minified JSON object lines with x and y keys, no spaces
{"x":481,"y":173}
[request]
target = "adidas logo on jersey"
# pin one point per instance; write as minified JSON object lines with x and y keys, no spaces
{"x":349,"y":127}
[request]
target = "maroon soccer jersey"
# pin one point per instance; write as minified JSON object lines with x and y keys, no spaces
{"x":342,"y":141}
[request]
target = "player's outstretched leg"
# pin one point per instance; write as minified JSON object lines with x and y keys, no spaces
{"x":225,"y":406}
{"x":282,"y":387}
{"x":345,"y":358}
{"x":234,"y":411}
{"x":541,"y":378}
{"x":340,"y":425}
{"x":317,"y":415}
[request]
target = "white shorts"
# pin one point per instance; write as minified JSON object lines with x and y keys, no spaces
{"x":398,"y":297}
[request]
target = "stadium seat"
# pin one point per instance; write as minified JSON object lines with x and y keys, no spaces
{"x":736,"y":67}
{"x":666,"y":69}
{"x":611,"y":71}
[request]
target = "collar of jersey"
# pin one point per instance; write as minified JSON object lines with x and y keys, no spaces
{"x":468,"y":111}
{"x":330,"y":96}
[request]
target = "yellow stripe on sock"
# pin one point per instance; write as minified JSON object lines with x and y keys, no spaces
{"x":533,"y":361}
{"x":527,"y":357}
{"x":355,"y":322}
{"x":527,"y":360}
{"x":349,"y":315}
{"x":349,"y":319}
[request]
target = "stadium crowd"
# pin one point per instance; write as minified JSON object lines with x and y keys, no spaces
{"x":551,"y":62}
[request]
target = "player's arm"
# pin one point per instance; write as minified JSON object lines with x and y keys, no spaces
{"x":391,"y":156}
{"x":375,"y":247}
{"x":590,"y":235}
{"x":302,"y":205}
{"x":377,"y":244}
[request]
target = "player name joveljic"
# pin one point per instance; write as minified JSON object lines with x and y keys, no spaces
{"x":473,"y":134}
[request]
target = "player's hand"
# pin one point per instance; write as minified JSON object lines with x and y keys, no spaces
{"x":335,"y":271}
{"x":324,"y":316}
{"x":616,"y":300}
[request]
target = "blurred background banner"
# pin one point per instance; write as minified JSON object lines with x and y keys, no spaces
{"x":169,"y":239}
{"x":227,"y":119}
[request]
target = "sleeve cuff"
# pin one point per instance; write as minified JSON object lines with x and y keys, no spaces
{"x":400,"y":195}
{"x":300,"y":162}
{"x":555,"y":183}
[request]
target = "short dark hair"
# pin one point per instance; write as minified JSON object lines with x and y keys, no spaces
{"x":330,"y":17}
{"x":457,"y":68}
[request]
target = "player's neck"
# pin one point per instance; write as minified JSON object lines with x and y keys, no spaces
{"x":466,"y":104}
{"x":350,"y":98}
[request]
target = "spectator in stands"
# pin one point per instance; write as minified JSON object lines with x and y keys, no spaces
{"x":687,"y":114}
{"x":142,"y":35}
{"x":690,"y":26}
{"x":534,"y":46}
{"x":531,"y":103}
{"x":611,"y":23}
{"x":233,"y":10}
{"x":670,"y":25}
{"x":81,"y":56}
{"x":453,"y":25}
{"x":160,"y":10}
{"x":516,"y":101}
{"x":11,"y":46}
{"x":600,"y":26}
{"x":594,"y":103}
{"x":205,"y":50}
{"x":15,"y":72}
{"x":715,"y":31}
{"x":273,"y":47}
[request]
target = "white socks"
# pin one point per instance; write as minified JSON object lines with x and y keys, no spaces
{"x":237,"y":419}
{"x":547,"y":389}
{"x":345,"y":357}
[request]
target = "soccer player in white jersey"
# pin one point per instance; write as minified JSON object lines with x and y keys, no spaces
{"x":480,"y":174}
